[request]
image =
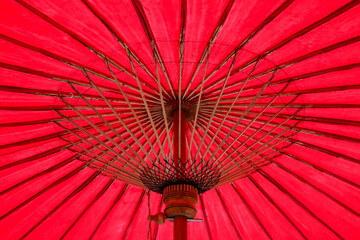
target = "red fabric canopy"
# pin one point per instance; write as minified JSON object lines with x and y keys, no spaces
{"x":273,"y":94}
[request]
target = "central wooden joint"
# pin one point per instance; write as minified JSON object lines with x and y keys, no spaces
{"x":180,"y":200}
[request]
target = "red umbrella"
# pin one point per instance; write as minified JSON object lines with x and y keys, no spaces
{"x":106,"y":105}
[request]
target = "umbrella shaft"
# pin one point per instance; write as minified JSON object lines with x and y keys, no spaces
{"x":180,"y":228}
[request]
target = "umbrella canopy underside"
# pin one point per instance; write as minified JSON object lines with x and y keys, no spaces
{"x":271,"y":96}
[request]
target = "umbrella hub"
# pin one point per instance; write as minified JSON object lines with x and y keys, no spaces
{"x":180,"y":200}
{"x":188,"y":107}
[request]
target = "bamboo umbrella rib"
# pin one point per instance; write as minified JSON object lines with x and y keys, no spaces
{"x":265,"y":135}
{"x":95,"y":146}
{"x":242,"y":117}
{"x":236,"y":150}
{"x":112,"y":30}
{"x":147,"y":29}
{"x":212,"y":39}
{"x":233,"y":151}
{"x":232,"y":104}
{"x":314,"y":132}
{"x":300,"y":143}
{"x":118,"y":179}
{"x":66,"y":61}
{"x":66,"y":108}
{"x":297,"y":60}
{"x":105,"y":150}
{"x":211,"y":135}
{"x":51,"y":93}
{"x":264,"y":145}
{"x":265,"y":22}
{"x":130,"y":177}
{"x":294,"y":92}
{"x":211,"y":132}
{"x":303,"y":118}
{"x":78,"y":39}
{"x":224,"y":107}
{"x":99,"y":130}
{"x":263,"y":160}
{"x":198,"y":103}
{"x":107,"y":137}
{"x":197,"y":145}
{"x":119,"y":118}
{"x":88,"y":127}
{"x":90,"y":150}
{"x":301,"y":32}
{"x":256,"y":117}
{"x":163,"y":106}
{"x":146,"y":106}
{"x":214,"y":110}
{"x":107,"y":124}
{"x":114,"y":175}
{"x":130,"y":106}
{"x":96,"y":158}
{"x":257,"y":151}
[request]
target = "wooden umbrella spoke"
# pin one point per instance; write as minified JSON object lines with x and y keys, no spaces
{"x":146,"y":105}
{"x":210,"y":42}
{"x":121,"y":41}
{"x":99,"y":130}
{"x":251,"y":35}
{"x":105,"y":163}
{"x":128,"y":102}
{"x":118,"y":117}
{"x":106,"y":123}
{"x":199,"y":102}
{"x":245,"y":113}
{"x":297,"y":60}
{"x":257,"y":130}
{"x":298,"y":34}
{"x":214,"y":110}
{"x":94,"y":146}
{"x":162,"y":104}
{"x":79,"y":39}
{"x":148,"y":31}
{"x":233,"y":103}
{"x":254,"y":153}
{"x":258,"y":115}
{"x":265,"y":134}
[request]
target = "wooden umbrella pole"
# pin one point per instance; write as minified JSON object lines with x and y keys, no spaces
{"x":180,"y":228}
{"x":179,"y":131}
